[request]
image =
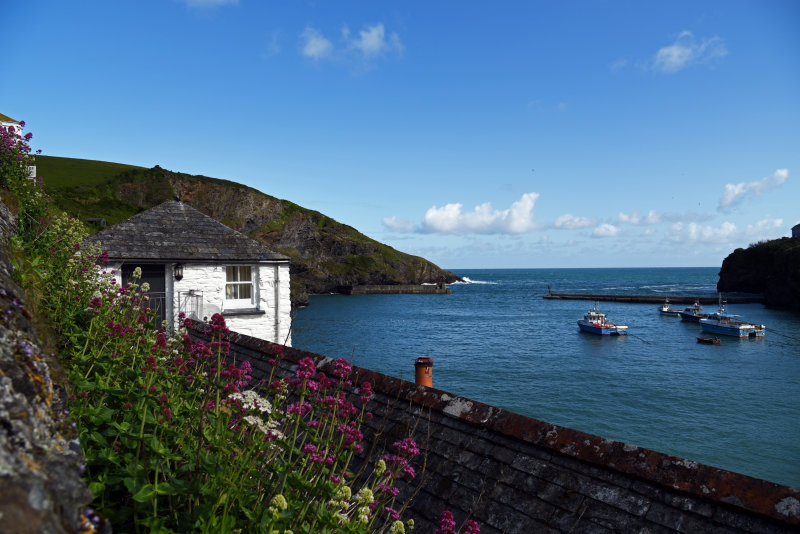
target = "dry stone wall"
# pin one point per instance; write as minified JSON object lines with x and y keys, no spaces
{"x":40,"y":486}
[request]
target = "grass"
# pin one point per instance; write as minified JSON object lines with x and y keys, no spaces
{"x":62,"y":173}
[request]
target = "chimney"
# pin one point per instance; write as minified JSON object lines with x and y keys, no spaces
{"x":423,"y":367}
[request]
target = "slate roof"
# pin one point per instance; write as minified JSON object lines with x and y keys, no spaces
{"x":174,"y":231}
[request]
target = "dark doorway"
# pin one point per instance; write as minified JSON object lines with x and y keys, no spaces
{"x":153,"y":274}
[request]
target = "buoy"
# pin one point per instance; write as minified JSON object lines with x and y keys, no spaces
{"x":423,"y":367}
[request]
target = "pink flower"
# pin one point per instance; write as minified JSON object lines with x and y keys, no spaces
{"x":470,"y":527}
{"x":342,"y":368}
{"x":447,"y":524}
{"x":306,"y":368}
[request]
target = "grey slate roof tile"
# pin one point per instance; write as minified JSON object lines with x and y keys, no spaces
{"x":174,"y":231}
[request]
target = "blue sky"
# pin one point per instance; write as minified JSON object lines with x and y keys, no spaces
{"x":504,"y":134}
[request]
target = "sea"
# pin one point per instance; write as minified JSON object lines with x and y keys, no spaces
{"x":496,"y":340}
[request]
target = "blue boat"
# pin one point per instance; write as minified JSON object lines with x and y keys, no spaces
{"x":693,"y":314}
{"x":595,"y":322}
{"x":664,"y":309}
{"x":726,"y":324}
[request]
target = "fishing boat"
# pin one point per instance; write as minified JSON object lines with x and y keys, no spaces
{"x":708,"y":340}
{"x":722,"y":322}
{"x":693,"y":314}
{"x":664,"y":309}
{"x":595,"y":322}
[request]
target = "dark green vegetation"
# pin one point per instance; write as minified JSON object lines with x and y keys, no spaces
{"x":327,"y":256}
{"x":768,"y":267}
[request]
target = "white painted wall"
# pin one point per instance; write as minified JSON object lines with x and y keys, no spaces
{"x":272,"y":297}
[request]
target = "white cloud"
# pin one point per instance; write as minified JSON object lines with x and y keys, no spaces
{"x":315,"y":45}
{"x":570,"y":222}
{"x":357,"y":51}
{"x":686,"y":51}
{"x":209,"y":3}
{"x":634,"y":218}
{"x":483,"y":219}
{"x":735,"y":193}
{"x":618,"y":64}
{"x":765,"y":229}
{"x":372,"y":41}
{"x":605,"y":230}
{"x":398,"y":225}
{"x":697,"y":233}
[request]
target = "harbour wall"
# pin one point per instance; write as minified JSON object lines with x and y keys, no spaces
{"x":652,"y":299}
{"x":391,"y":289}
{"x":515,"y":474}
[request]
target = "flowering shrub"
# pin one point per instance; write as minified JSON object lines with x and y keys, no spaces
{"x":178,"y":439}
{"x":15,"y":158}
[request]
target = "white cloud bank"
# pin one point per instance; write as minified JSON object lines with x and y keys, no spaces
{"x":634,"y":218}
{"x":687,"y":51}
{"x":369,"y":44}
{"x":605,"y":230}
{"x":726,"y":233}
{"x":483,"y":219}
{"x":735,"y":193}
{"x":570,"y":222}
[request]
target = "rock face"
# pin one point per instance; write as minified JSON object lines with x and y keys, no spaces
{"x":769,"y":267}
{"x":326,"y":255}
{"x":40,"y":486}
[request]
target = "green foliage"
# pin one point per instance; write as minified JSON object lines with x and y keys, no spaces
{"x":175,"y":437}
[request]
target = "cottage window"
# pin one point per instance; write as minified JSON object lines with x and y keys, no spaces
{"x":239,"y":285}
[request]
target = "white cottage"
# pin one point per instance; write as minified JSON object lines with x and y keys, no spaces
{"x":197,"y":265}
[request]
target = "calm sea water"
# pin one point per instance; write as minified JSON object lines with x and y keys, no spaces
{"x":495,"y":340}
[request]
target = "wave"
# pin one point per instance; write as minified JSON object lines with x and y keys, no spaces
{"x":466,"y":280}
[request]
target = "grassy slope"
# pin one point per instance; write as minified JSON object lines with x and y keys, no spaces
{"x":86,"y":188}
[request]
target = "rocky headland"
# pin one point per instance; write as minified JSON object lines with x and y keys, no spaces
{"x":771,"y":268}
{"x":327,"y":256}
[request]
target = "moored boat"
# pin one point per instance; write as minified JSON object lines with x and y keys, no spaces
{"x":708,"y":340}
{"x":693,"y":314}
{"x":726,"y":324}
{"x":664,"y":309}
{"x":595,"y":322}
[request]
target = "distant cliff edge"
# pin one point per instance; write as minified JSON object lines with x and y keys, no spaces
{"x":327,"y":256}
{"x":769,"y":267}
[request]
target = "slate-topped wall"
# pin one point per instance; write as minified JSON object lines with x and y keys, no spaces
{"x":516,"y":474}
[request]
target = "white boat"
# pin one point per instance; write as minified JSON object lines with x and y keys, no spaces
{"x":595,"y":322}
{"x":722,"y":322}
{"x":664,"y":309}
{"x":693,"y":314}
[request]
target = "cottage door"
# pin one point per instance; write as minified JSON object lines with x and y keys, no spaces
{"x":155,"y":275}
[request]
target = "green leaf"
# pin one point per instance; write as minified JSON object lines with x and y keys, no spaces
{"x":146,"y":493}
{"x":165,"y":488}
{"x":99,"y":439}
{"x":97,"y":488}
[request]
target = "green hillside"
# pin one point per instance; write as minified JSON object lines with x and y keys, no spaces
{"x":327,"y":256}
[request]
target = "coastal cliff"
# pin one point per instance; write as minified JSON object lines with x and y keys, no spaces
{"x":326,"y":255}
{"x":768,"y":267}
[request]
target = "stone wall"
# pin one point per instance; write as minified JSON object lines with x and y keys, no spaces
{"x":516,"y":474}
{"x":40,"y":486}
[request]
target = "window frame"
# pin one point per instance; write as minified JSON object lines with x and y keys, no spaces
{"x":250,"y":302}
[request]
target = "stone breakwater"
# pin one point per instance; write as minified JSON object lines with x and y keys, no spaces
{"x":396,"y":289}
{"x":650,"y":299}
